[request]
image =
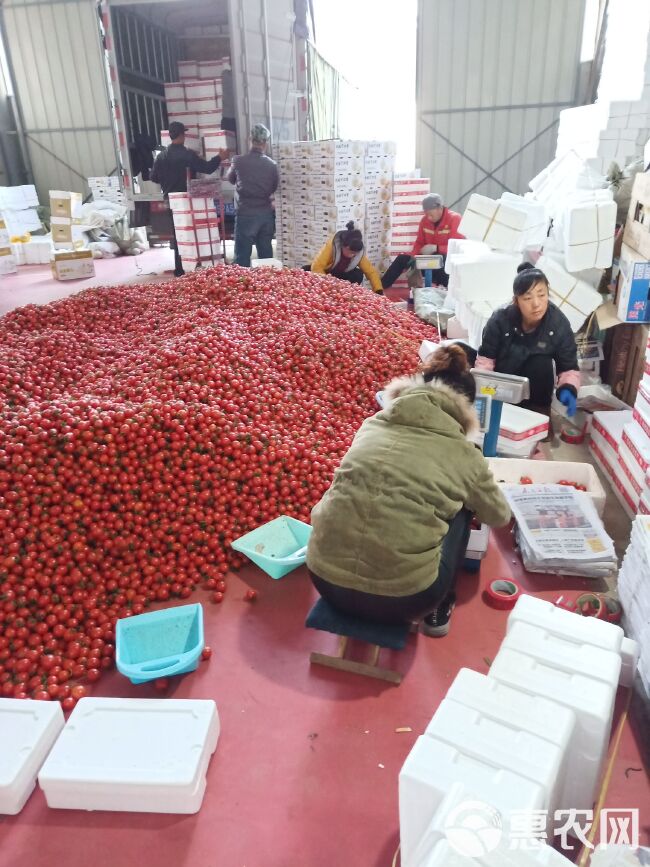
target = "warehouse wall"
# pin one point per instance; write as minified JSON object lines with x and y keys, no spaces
{"x":59,"y":78}
{"x":492,"y":78}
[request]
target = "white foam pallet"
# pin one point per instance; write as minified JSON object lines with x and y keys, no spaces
{"x":132,"y":755}
{"x":430,"y":771}
{"x":27,"y":731}
{"x":591,"y":700}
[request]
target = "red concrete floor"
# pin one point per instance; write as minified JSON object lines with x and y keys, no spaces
{"x":305,"y":773}
{"x":34,"y":284}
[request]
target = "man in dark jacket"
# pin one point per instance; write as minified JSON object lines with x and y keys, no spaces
{"x":172,"y":167}
{"x":255,"y":177}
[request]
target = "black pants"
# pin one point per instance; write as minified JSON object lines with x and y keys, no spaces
{"x":353,"y":276}
{"x":403,"y":609}
{"x":400,"y":264}
{"x":178,"y":262}
{"x":541,"y":374}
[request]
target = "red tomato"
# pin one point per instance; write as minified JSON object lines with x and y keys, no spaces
{"x":525,"y":480}
{"x":217,"y":597}
{"x":206,"y":653}
{"x":250,"y":595}
{"x":161,"y":683}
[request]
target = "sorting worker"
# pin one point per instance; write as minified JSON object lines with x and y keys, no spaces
{"x":171,"y":169}
{"x":392,"y":530}
{"x":437,"y":227}
{"x":532,"y":337}
{"x":255,"y":177}
{"x":343,"y":256}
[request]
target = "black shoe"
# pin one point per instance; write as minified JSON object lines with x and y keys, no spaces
{"x":436,"y":624}
{"x":179,"y":273}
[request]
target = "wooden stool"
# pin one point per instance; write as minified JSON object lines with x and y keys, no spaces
{"x":325,"y":617}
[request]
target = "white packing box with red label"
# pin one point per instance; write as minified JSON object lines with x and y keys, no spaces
{"x":203,"y":233}
{"x":207,"y":119}
{"x":174,"y":90}
{"x":210,"y":89}
{"x":637,"y":443}
{"x":627,"y":464}
{"x":189,"y":251}
{"x":598,"y":447}
{"x":188,"y":219}
{"x":183,"y":202}
{"x":208,"y":112}
{"x":188,"y":69}
{"x":176,"y":105}
{"x":188,"y":118}
{"x":209,"y":69}
{"x":610,"y":426}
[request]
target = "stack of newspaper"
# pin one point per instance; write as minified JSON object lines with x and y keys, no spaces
{"x":634,"y":593}
{"x":559,"y":531}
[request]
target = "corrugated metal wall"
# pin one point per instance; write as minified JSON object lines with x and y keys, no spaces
{"x":492,"y":78}
{"x":60,"y":85}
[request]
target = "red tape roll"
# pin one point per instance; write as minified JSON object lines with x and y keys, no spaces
{"x":502,"y":593}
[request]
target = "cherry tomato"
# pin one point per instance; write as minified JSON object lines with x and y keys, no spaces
{"x":206,"y":653}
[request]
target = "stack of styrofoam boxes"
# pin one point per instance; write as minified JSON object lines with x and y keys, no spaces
{"x":379,"y":169}
{"x":322,"y":188}
{"x":7,"y":259}
{"x":532,"y":735}
{"x":634,"y":593}
{"x":195,"y":100}
{"x":196,"y":228}
{"x":576,"y":298}
{"x":108,"y":188}
{"x":407,"y":213}
{"x":215,"y":140}
{"x":480,"y":281}
{"x":605,"y":439}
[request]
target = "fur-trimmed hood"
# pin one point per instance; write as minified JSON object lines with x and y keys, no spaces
{"x":428,"y":400}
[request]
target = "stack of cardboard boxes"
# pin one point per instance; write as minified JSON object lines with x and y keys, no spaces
{"x":108,"y":188}
{"x":326,"y":184}
{"x":69,"y":260}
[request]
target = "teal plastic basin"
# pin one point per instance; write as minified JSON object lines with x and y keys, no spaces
{"x":159,"y":643}
{"x":276,"y":547}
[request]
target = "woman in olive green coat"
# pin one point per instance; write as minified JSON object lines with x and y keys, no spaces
{"x":389,"y":534}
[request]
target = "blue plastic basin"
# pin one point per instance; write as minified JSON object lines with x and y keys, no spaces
{"x":159,"y":643}
{"x":277,"y":547}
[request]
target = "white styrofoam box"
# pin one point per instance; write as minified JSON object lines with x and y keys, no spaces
{"x":610,"y":469}
{"x":589,"y":235}
{"x":204,"y":250}
{"x":209,"y":69}
{"x":628,"y":464}
{"x":509,"y":471}
{"x":488,"y":278}
{"x":574,"y":627}
{"x":540,"y":716}
{"x":433,"y":767}
{"x":575,"y":297}
{"x":37,"y":251}
{"x":611,"y":424}
{"x":591,"y":700}
{"x":498,"y":224}
{"x":188,"y":69}
{"x":29,"y":729}
{"x":189,"y":219}
{"x":8,"y":264}
{"x":174,"y":90}
{"x":536,"y":227}
{"x":501,"y":743}
{"x":565,"y":654}
{"x":132,"y":755}
{"x":176,"y":105}
{"x":183,"y":202}
{"x":203,"y":89}
{"x":207,"y":118}
{"x":444,"y":855}
{"x":637,"y":444}
{"x":202,"y":234}
{"x":519,"y":424}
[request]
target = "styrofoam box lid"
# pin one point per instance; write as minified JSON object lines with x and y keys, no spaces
{"x":120,"y":741}
{"x":497,"y":742}
{"x":566,"y":624}
{"x":440,"y":765}
{"x":592,"y":700}
{"x":541,"y":716}
{"x":520,"y":422}
{"x":444,"y":855}
{"x":613,"y":421}
{"x":563,"y":653}
{"x":28,"y":730}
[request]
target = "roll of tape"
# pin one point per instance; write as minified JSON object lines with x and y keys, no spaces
{"x":502,"y":593}
{"x":592,"y":605}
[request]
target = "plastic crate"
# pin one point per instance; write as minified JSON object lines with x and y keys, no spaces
{"x":159,"y":643}
{"x":277,"y":547}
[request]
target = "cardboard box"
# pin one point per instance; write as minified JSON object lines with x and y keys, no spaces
{"x":633,"y":293}
{"x":625,"y":360}
{"x":637,"y":226}
{"x":65,"y":204}
{"x":73,"y":265}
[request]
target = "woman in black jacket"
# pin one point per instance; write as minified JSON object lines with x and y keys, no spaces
{"x":532,"y":337}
